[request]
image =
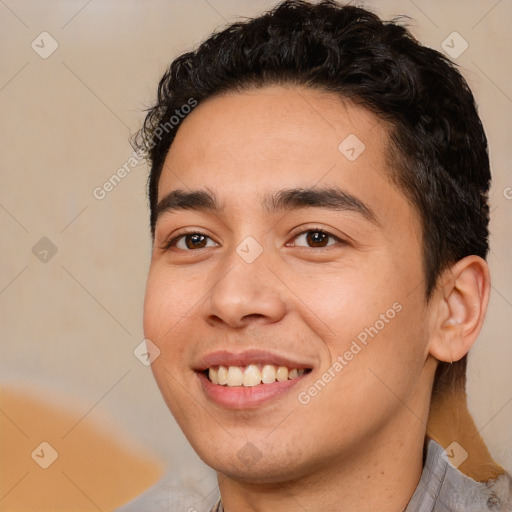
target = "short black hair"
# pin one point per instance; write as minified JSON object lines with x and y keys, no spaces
{"x":437,"y":149}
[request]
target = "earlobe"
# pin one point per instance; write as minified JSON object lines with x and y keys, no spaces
{"x":459,"y":307}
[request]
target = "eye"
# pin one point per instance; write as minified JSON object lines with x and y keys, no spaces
{"x":190,"y":241}
{"x":315,"y":238}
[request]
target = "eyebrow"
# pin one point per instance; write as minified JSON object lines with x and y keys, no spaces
{"x":332,"y":198}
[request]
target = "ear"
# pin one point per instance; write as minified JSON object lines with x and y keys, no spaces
{"x":458,"y":309}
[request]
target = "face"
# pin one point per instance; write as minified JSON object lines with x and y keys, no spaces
{"x":286,"y":263}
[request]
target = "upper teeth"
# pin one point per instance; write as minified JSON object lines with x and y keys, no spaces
{"x":251,"y":375}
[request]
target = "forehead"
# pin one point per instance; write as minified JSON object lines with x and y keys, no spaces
{"x":279,"y":126}
{"x":243,"y":145}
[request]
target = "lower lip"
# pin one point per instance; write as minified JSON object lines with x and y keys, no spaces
{"x":241,"y":397}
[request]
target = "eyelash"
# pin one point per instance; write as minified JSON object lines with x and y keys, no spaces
{"x":172,"y":243}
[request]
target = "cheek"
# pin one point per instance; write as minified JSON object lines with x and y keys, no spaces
{"x":156,"y":302}
{"x":171,"y":309}
{"x":165,"y":306}
{"x":167,"y":300}
{"x":366,"y":382}
{"x":347,"y":302}
{"x":374,"y":323}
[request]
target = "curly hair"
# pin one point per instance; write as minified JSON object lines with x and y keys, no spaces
{"x":437,"y":148}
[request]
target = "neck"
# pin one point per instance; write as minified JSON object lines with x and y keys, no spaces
{"x":379,"y":475}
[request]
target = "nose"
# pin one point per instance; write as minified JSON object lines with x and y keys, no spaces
{"x":246,"y":293}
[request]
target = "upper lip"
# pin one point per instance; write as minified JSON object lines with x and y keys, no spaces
{"x":246,"y":357}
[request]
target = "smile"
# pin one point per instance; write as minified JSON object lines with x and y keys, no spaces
{"x":252,"y":374}
{"x":249,"y":379}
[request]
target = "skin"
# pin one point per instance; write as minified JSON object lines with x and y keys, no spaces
{"x":358,"y":444}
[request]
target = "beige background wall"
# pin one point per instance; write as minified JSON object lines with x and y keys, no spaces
{"x":69,"y":325}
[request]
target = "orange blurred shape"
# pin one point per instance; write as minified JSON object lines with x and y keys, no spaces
{"x":89,"y":467}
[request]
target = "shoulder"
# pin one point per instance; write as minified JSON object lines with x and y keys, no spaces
{"x":443,"y":488}
{"x":175,"y":493}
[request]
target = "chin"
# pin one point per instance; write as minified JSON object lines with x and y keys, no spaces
{"x":268,"y":472}
{"x":243,"y":461}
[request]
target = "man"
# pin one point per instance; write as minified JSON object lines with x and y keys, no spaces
{"x":318,"y":197}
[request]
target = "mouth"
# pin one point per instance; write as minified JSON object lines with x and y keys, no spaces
{"x":249,"y":379}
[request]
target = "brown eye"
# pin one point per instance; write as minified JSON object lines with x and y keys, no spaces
{"x":195,"y":241}
{"x":316,"y":238}
{"x":190,"y":241}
